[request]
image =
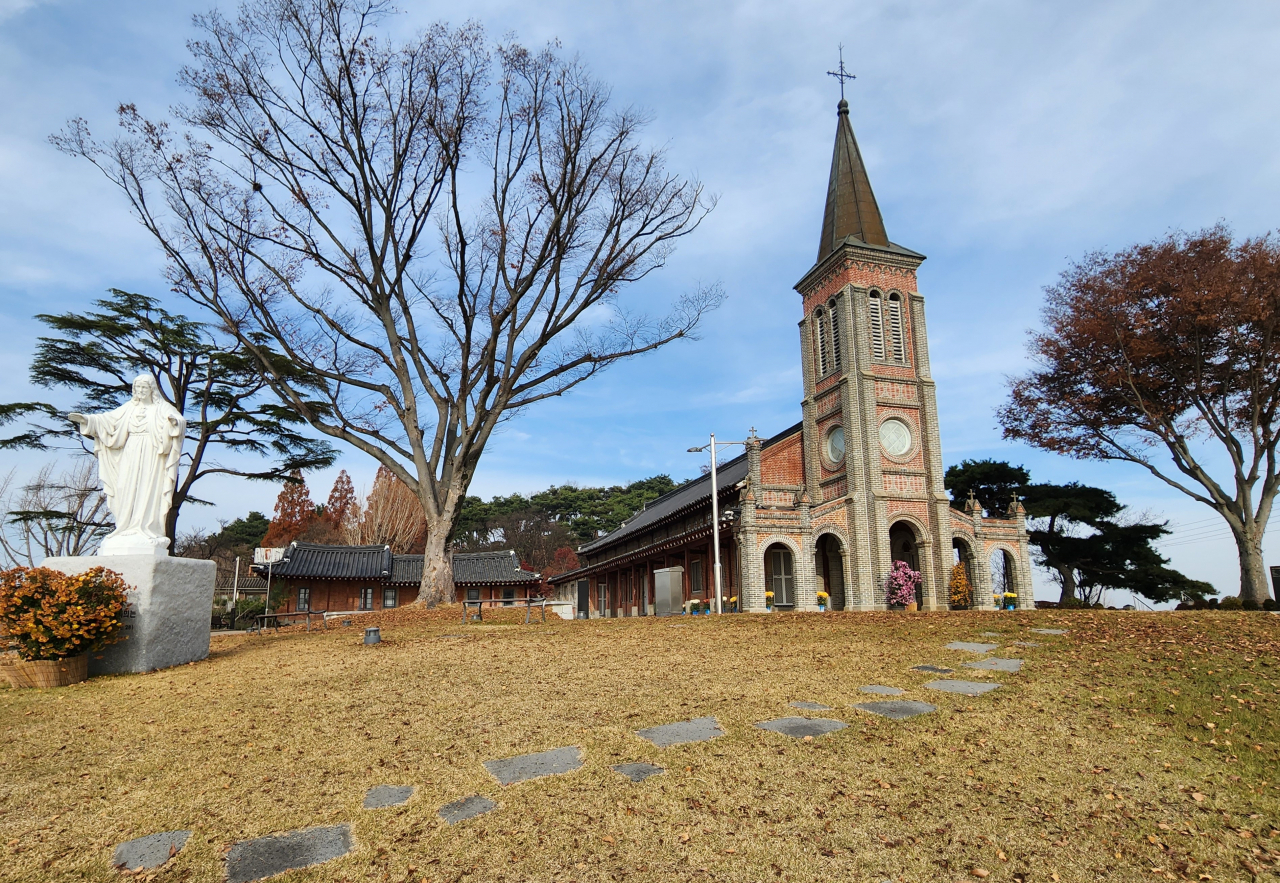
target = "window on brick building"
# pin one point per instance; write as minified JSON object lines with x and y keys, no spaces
{"x":835,"y":336}
{"x":389,"y":597}
{"x":782,"y":580}
{"x":877,"y":326}
{"x":366,"y":598}
{"x":304,"y":598}
{"x":821,"y":333}
{"x":695,"y":577}
{"x":897,"y":344}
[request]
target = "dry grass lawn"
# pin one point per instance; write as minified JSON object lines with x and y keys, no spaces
{"x":1136,"y":747}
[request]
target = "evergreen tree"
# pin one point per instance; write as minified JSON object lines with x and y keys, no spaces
{"x":993,"y":482}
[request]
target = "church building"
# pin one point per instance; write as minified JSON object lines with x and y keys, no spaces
{"x":829,"y":504}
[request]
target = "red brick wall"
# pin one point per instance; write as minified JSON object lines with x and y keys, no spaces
{"x":783,"y":463}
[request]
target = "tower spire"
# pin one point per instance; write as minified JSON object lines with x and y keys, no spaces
{"x":851,"y":206}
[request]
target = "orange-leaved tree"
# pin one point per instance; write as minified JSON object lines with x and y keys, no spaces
{"x":1165,"y":355}
{"x":294,"y":512}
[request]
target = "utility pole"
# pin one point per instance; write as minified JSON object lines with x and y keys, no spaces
{"x":715,"y":513}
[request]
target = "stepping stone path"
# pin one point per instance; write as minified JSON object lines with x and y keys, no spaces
{"x":897,"y":709}
{"x":966,"y":688}
{"x":466,"y":808}
{"x":972,"y":648}
{"x":1050,"y":631}
{"x":991,"y":635}
{"x":511,"y":770}
{"x":700,"y":729}
{"x":800,"y":727}
{"x":638,"y":772}
{"x":382,"y":796}
{"x":994,"y":664}
{"x":1026,"y":644}
{"x":933,"y":669}
{"x":810,"y":706}
{"x":149,"y":852}
{"x":880,"y":690}
{"x":251,"y":860}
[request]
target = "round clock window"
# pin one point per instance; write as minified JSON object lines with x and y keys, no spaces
{"x":835,"y":445}
{"x":895,"y":437}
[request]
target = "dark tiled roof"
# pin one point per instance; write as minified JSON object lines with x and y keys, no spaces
{"x":313,"y":561}
{"x":686,"y":496}
{"x":481,"y":568}
{"x":249,"y":583}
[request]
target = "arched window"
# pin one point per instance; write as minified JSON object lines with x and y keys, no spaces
{"x":877,"y":326}
{"x":835,"y":336}
{"x":899,"y":350}
{"x":820,"y":329}
{"x":782,"y":580}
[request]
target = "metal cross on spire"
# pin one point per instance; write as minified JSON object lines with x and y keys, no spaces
{"x":841,"y":74}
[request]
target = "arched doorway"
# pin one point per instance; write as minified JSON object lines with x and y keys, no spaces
{"x":828,"y":563}
{"x":780,"y":575}
{"x":1003,"y":581}
{"x":961,"y":592}
{"x":904,"y":546}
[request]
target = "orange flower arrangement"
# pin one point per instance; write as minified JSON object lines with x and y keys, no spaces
{"x":55,"y":615}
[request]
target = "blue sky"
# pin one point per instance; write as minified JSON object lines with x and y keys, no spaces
{"x":1002,"y":138}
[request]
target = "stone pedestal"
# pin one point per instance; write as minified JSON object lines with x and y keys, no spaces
{"x":167,"y":620}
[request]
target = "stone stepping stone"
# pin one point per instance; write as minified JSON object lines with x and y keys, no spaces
{"x":810,"y":706}
{"x":966,"y":688}
{"x":897,"y":709}
{"x":382,"y":796}
{"x":638,"y":772}
{"x":511,"y":770}
{"x":700,"y":729}
{"x":466,"y":808}
{"x":1026,"y":643}
{"x":990,"y":635}
{"x":149,"y":852}
{"x":995,"y":664}
{"x":970,"y":647}
{"x":799,"y":727}
{"x":933,"y":669}
{"x":251,"y":860}
{"x":882,"y":690}
{"x":1050,"y":631}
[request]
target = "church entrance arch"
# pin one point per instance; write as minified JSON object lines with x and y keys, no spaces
{"x":904,"y":545}
{"x":828,"y":561}
{"x":963,"y":558}
{"x":780,"y":572}
{"x":1003,"y":579}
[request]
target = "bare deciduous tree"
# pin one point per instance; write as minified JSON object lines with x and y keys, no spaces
{"x":438,"y":234}
{"x":63,"y":514}
{"x":392,"y":516}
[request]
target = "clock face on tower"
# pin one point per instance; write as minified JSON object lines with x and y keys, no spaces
{"x":895,"y":437}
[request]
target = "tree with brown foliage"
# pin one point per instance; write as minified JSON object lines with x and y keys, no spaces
{"x":293,"y":514}
{"x":392,"y":516}
{"x":1170,"y":349}
{"x":298,"y":203}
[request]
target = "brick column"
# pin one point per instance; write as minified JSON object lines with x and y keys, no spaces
{"x":751,"y":591}
{"x":806,"y":572}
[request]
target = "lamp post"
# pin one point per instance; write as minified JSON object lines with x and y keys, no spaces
{"x":712,"y":446}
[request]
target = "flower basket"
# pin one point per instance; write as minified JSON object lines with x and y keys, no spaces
{"x":911,"y":608}
{"x":45,"y":673}
{"x":901,"y":586}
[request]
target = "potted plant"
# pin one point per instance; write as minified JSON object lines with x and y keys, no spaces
{"x":57,"y":619}
{"x":1010,"y":600}
{"x":768,"y":600}
{"x":733,"y":604}
{"x":901,"y":586}
{"x":823,"y":598}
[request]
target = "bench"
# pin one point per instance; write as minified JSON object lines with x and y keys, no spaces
{"x":275,"y":618}
{"x":529,"y":604}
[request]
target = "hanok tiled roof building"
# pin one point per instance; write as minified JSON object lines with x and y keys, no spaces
{"x":356,"y":578}
{"x":830,"y":503}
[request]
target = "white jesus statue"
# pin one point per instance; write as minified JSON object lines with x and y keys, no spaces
{"x":138,"y":446}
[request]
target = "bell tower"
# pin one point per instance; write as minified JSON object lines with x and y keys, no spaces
{"x":873,"y":462}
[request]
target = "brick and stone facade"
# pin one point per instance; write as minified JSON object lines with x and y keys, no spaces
{"x":830,"y":504}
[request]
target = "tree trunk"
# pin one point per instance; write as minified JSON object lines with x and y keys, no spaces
{"x":1253,"y":575}
{"x":437,"y":573}
{"x":1068,"y":577}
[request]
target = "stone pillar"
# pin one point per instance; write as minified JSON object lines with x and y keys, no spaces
{"x":1024,"y":586}
{"x":806,"y":573}
{"x":751,"y":592}
{"x":982,"y":588}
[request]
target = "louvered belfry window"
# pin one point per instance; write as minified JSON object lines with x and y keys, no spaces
{"x":820,"y":329}
{"x":895,"y":328}
{"x":877,"y":326}
{"x":835,"y":336}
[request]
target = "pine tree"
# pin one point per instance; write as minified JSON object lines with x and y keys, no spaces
{"x":294,"y":512}
{"x":961,"y":590}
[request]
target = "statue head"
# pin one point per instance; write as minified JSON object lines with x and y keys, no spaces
{"x":144,"y":389}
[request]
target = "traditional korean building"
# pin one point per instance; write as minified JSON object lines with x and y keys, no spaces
{"x":830,"y":503}
{"x":352,"y":579}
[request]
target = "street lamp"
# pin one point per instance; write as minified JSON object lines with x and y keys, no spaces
{"x":713,"y":446}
